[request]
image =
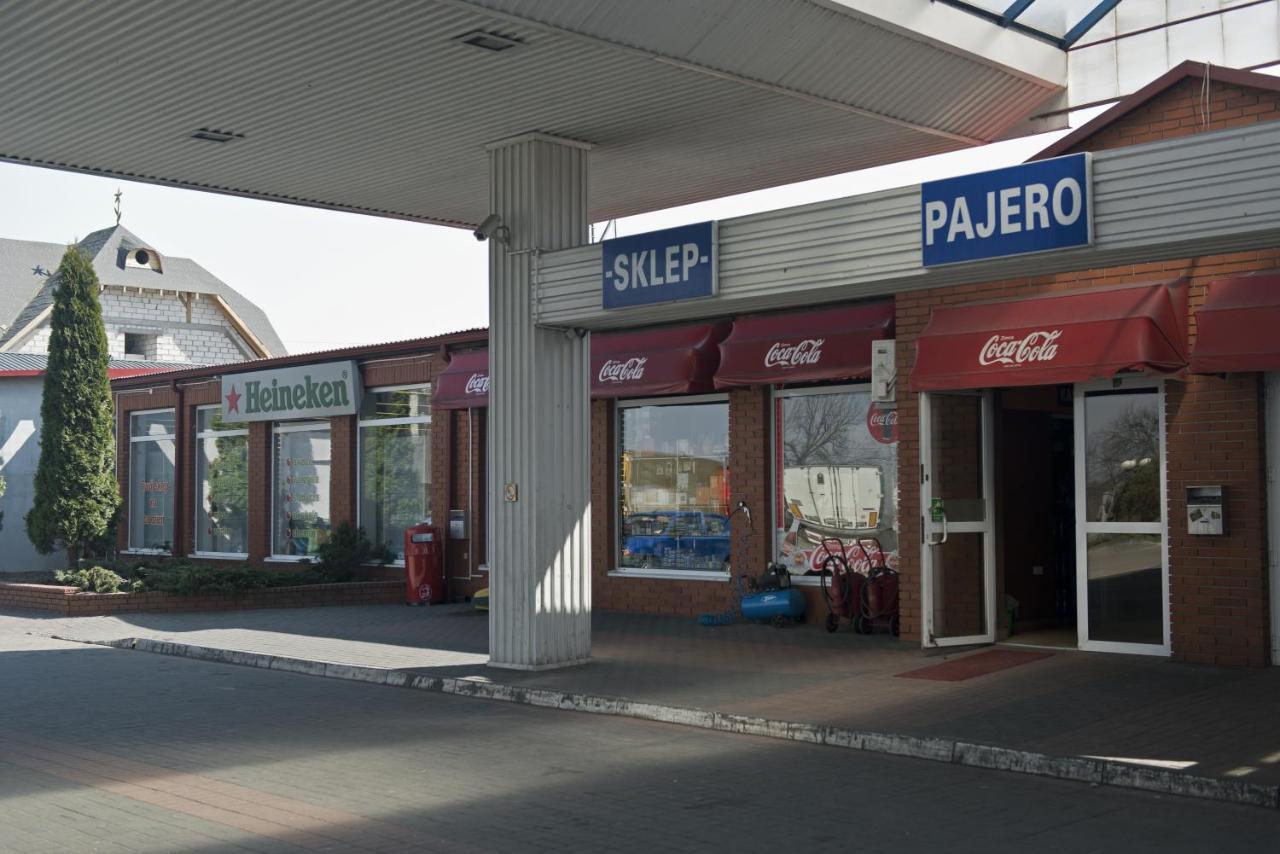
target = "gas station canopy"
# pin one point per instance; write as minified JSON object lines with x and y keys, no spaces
{"x":386,"y":108}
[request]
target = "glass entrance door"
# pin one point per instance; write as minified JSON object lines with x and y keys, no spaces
{"x":1122,"y":579}
{"x":958,"y":554}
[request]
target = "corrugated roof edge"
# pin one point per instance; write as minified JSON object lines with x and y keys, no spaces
{"x":1129,"y":103}
{"x":407,"y":346}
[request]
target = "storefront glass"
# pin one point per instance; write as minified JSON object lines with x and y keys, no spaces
{"x":1124,"y":547}
{"x":151,"y":488}
{"x":674,"y":486}
{"x":222,"y":484}
{"x":835,"y":478}
{"x":301,"y":463}
{"x":395,"y":463}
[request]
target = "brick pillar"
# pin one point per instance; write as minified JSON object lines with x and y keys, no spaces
{"x":750,"y":479}
{"x":184,"y":450}
{"x":343,"y":476}
{"x":260,"y":489}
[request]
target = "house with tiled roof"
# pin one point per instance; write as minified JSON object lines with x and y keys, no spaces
{"x":160,"y":313}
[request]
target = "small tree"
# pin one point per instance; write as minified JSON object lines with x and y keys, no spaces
{"x":76,"y":494}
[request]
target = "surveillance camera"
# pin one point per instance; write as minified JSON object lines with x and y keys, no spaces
{"x":491,"y":227}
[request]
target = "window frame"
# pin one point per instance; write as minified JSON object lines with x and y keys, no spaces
{"x":297,"y":426}
{"x":779,"y":393}
{"x":172,"y":437}
{"x":197,"y":482}
{"x":620,"y":404}
{"x":362,"y":422}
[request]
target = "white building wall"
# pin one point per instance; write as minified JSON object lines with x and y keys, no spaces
{"x":19,"y":454}
{"x":208,"y":339}
{"x":1102,"y":66}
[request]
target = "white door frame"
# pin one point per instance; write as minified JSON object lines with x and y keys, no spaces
{"x":1084,"y":527}
{"x":1271,"y":415}
{"x":985,"y":527}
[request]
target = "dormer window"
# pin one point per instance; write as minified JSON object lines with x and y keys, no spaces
{"x":142,"y":258}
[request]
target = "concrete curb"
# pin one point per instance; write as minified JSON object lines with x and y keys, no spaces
{"x":1098,"y":772}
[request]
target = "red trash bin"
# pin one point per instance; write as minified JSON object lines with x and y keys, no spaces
{"x":423,"y":566}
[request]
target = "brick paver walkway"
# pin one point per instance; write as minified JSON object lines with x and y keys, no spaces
{"x":103,"y":750}
{"x":1208,"y":721}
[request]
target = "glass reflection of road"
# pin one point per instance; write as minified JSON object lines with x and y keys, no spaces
{"x":1116,"y":557}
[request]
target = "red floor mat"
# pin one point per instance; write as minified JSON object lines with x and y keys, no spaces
{"x":970,"y":666}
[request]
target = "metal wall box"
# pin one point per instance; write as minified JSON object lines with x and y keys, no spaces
{"x":1205,"y":510}
{"x":457,"y":524}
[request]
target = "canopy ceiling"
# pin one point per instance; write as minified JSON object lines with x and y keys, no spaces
{"x":383,"y":108}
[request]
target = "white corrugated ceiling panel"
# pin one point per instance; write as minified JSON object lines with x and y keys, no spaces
{"x":374,"y":107}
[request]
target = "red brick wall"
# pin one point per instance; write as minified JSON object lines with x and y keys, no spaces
{"x":1218,"y":585}
{"x":1180,"y":111}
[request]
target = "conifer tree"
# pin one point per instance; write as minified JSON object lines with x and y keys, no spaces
{"x":75,"y":491}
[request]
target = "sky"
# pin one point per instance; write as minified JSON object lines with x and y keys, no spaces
{"x":328,"y":279}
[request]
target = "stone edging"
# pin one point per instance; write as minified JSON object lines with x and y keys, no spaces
{"x":1098,"y":772}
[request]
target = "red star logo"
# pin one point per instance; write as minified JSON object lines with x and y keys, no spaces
{"x":233,"y":401}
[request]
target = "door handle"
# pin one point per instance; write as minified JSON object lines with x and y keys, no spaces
{"x":932,"y":542}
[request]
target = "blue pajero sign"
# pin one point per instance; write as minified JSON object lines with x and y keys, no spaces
{"x":659,"y":266}
{"x":1032,"y":207}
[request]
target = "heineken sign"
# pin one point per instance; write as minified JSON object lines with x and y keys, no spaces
{"x":306,"y":391}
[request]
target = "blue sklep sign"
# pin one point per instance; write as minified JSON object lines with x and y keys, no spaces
{"x":659,"y":266}
{"x":1032,"y":207}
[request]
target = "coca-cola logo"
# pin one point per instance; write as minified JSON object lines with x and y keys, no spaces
{"x":621,"y":372}
{"x":1038,"y":346}
{"x":477,"y":384}
{"x":882,"y":424}
{"x":807,"y":352}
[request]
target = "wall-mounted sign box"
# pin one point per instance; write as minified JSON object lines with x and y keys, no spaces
{"x":281,"y":394}
{"x":659,"y":266}
{"x":1033,"y":207}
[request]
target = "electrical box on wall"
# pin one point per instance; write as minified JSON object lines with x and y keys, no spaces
{"x":1205,"y":509}
{"x":457,"y":524}
{"x":884,"y":373}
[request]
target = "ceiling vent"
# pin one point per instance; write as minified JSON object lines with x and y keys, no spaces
{"x":215,"y":135}
{"x":491,"y":42}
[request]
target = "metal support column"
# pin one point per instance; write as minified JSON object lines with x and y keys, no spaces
{"x":539,"y":531}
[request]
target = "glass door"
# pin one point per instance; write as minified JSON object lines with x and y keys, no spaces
{"x":1122,"y":579}
{"x":958,"y":554}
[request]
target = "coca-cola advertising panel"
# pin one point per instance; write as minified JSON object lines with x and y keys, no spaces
{"x":465,"y":382}
{"x":836,"y":477}
{"x":668,"y":360}
{"x":804,"y":347}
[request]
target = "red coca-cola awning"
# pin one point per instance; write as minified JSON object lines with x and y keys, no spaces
{"x":677,"y":360}
{"x":1236,"y":328}
{"x":1056,"y":338}
{"x":803,"y":347}
{"x":465,"y":382}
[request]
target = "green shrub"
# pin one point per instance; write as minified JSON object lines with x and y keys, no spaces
{"x":347,"y":549}
{"x":186,"y":579}
{"x":97,"y":579}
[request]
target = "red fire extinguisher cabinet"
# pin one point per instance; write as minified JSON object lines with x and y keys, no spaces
{"x":423,"y":566}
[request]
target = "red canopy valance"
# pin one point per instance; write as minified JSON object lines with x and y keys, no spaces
{"x":465,"y":382}
{"x":807,"y":346}
{"x":1238,"y":327}
{"x":1055,"y":338}
{"x":676,"y":360}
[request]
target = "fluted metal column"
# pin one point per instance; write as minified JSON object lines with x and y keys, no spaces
{"x":539,"y":531}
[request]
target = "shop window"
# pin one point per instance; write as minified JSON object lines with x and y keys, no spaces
{"x":151,"y":488}
{"x":835,"y":477}
{"x":222,"y":485}
{"x":300,"y":477}
{"x":395,"y":463}
{"x":673,"y":486}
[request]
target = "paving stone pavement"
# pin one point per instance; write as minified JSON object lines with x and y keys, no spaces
{"x":1217,"y":722}
{"x":113,"y":751}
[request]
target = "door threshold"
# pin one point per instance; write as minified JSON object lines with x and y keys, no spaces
{"x":1039,"y":646}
